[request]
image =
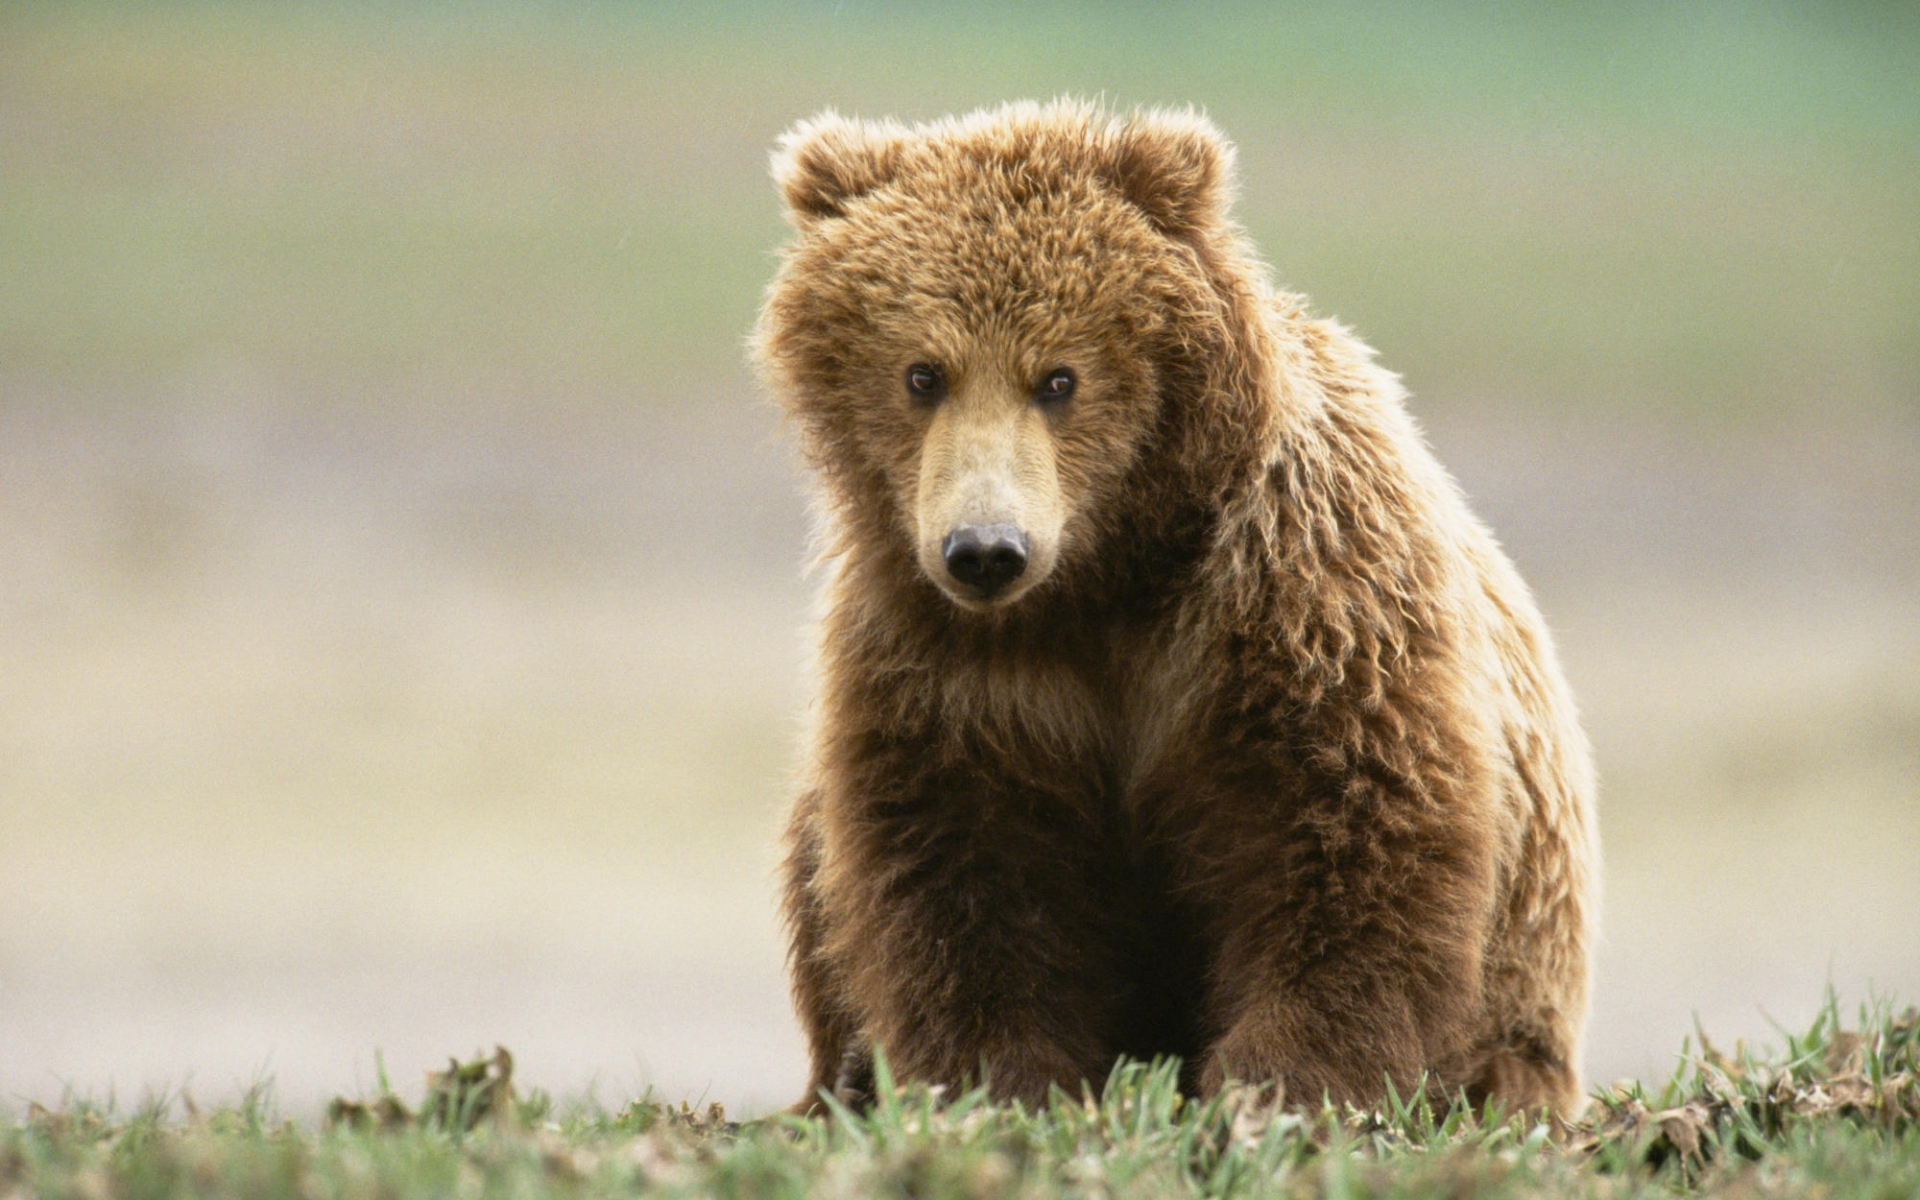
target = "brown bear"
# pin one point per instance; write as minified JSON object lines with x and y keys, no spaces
{"x":1171,"y":701}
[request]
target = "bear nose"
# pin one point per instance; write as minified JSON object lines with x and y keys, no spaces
{"x":985,"y":557}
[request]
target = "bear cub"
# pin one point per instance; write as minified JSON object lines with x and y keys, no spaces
{"x":1171,"y":701}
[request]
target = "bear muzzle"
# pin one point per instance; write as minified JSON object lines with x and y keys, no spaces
{"x":984,"y":559}
{"x":988,"y":506}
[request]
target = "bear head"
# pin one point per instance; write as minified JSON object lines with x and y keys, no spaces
{"x":981,"y":327}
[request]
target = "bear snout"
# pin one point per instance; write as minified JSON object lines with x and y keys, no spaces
{"x":985,"y":558}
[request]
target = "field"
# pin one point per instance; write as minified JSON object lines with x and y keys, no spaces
{"x":1835,"y":1113}
{"x":401,"y":612}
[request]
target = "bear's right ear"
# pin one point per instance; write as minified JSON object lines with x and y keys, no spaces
{"x":825,"y":162}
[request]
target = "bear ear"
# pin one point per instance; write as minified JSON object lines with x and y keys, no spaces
{"x":823,"y":163}
{"x":1174,"y":165}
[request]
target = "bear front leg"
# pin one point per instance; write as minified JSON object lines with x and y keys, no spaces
{"x":964,"y":918}
{"x":1348,"y":942}
{"x":841,"y":1063}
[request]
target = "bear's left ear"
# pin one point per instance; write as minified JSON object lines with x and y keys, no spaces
{"x":1174,"y":165}
{"x":823,"y":163}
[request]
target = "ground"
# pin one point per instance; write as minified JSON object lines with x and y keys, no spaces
{"x":584,"y":846}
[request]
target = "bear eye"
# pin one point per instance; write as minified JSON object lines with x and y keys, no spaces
{"x":925,"y":381}
{"x":1057,"y":386}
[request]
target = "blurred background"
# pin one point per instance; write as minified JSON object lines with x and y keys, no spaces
{"x":401,"y":600}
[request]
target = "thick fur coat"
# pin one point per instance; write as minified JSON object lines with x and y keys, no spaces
{"x":1171,"y":700}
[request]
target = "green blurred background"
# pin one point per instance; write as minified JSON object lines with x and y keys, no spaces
{"x":401,"y":612}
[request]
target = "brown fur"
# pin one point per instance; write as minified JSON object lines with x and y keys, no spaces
{"x":1271,"y":767}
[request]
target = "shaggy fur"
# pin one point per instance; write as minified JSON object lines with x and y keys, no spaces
{"x":1271,"y":768}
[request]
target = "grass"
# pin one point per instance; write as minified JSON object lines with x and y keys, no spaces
{"x":1833,"y":1113}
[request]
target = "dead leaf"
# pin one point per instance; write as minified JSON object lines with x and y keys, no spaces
{"x":1682,"y":1127}
{"x":1250,"y":1109}
{"x":1846,"y":1053}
